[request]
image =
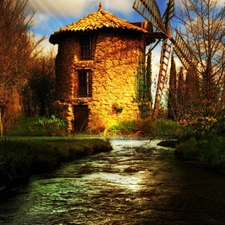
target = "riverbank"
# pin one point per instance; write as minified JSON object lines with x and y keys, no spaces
{"x":138,"y":182}
{"x":207,"y":152}
{"x":20,"y":158}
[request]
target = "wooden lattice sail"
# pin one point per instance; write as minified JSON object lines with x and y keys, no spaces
{"x":184,"y":53}
{"x":150,"y":11}
{"x":162,"y":76}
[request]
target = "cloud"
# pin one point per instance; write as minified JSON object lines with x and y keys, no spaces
{"x":50,"y":15}
{"x":58,"y":7}
{"x":79,"y":8}
{"x":124,"y":7}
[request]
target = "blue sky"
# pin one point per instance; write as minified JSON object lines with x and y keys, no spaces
{"x":50,"y":15}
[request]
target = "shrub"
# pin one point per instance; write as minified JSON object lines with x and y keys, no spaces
{"x":53,"y":125}
{"x":122,"y":128}
{"x":208,"y":151}
{"x":169,"y":127}
{"x":188,"y":150}
{"x":200,"y":125}
{"x":146,"y":126}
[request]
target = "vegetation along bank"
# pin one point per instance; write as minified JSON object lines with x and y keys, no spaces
{"x":24,"y":157}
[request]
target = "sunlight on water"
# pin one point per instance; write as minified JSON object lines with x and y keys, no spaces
{"x":134,"y":143}
{"x":118,"y":180}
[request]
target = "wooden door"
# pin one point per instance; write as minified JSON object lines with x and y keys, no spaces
{"x":80,"y":118}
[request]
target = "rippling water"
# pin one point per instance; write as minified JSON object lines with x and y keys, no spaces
{"x":136,"y":183}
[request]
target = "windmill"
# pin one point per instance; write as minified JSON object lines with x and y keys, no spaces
{"x":149,"y":10}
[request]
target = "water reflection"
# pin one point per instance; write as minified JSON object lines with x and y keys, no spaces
{"x":137,"y":183}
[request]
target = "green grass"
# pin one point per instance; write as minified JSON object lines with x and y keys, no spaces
{"x":38,"y":126}
{"x":149,"y":127}
{"x":21,"y":158}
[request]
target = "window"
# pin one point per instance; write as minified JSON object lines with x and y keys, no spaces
{"x":85,"y":44}
{"x":84,"y":78}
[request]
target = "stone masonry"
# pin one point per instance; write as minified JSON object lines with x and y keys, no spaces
{"x":116,"y":53}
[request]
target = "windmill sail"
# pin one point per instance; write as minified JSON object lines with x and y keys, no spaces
{"x":150,"y":11}
{"x":162,"y":76}
{"x":169,"y":13}
{"x":184,"y":53}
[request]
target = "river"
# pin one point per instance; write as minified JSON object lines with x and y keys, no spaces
{"x":136,"y":183}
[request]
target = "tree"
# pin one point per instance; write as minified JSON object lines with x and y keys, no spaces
{"x":172,"y":97}
{"x":202,"y":25}
{"x":38,"y":94}
{"x":18,"y":51}
{"x":143,"y":87}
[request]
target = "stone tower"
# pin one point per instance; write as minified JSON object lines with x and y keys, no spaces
{"x":96,"y":69}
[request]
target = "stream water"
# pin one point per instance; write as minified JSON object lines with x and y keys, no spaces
{"x":136,"y":183}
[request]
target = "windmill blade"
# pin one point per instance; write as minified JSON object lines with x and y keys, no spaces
{"x":184,"y":53}
{"x":162,"y":77}
{"x":150,"y":11}
{"x":169,"y":13}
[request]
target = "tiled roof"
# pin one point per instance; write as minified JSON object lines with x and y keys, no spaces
{"x":94,"y":21}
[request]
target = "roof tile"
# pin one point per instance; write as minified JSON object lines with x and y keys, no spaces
{"x":97,"y":20}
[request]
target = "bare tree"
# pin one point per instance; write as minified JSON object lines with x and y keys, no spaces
{"x":202,"y":25}
{"x":17,"y":50}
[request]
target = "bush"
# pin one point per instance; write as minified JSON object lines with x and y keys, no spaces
{"x":198,"y":124}
{"x":148,"y":127}
{"x":188,"y":150}
{"x":122,"y":128}
{"x":53,"y":125}
{"x":207,"y":151}
{"x":169,"y":127}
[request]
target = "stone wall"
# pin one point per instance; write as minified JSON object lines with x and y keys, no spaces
{"x":116,"y":54}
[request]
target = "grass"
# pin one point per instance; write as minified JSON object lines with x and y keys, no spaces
{"x":159,"y":127}
{"x":38,"y":126}
{"x":207,"y":152}
{"x":21,"y":158}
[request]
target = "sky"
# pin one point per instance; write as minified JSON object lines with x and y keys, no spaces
{"x":50,"y":15}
